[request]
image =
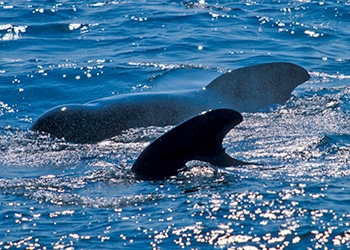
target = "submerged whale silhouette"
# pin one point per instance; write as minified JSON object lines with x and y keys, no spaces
{"x":199,"y":138}
{"x":245,"y":89}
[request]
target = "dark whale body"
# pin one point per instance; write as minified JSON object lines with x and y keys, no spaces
{"x":199,"y":138}
{"x":245,"y":89}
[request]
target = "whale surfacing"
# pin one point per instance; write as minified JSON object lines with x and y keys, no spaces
{"x":245,"y":89}
{"x":199,"y":138}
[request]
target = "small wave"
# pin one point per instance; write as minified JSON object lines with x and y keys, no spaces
{"x":325,"y":76}
{"x":165,"y":66}
{"x":203,"y":5}
{"x":52,"y":29}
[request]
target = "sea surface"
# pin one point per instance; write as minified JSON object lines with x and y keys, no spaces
{"x":59,"y":195}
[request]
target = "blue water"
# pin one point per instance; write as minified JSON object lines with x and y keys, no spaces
{"x":56,"y":195}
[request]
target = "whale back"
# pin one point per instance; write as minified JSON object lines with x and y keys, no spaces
{"x":199,"y":138}
{"x":245,"y":89}
{"x":255,"y":87}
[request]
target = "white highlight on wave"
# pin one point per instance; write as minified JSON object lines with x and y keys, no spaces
{"x":13,"y":32}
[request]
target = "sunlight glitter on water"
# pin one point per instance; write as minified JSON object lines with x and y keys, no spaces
{"x":68,"y":196}
{"x":10,"y":32}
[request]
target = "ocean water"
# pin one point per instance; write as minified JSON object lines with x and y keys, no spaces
{"x":58,"y":195}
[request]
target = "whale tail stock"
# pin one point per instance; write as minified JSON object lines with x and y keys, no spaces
{"x":199,"y":138}
{"x":258,"y":86}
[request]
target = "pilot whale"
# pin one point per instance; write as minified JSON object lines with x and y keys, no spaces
{"x":199,"y":138}
{"x":245,"y":89}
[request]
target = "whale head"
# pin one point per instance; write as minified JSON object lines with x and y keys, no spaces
{"x":72,"y":122}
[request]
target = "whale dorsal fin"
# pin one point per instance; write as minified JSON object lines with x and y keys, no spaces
{"x":258,"y":86}
{"x":199,"y":138}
